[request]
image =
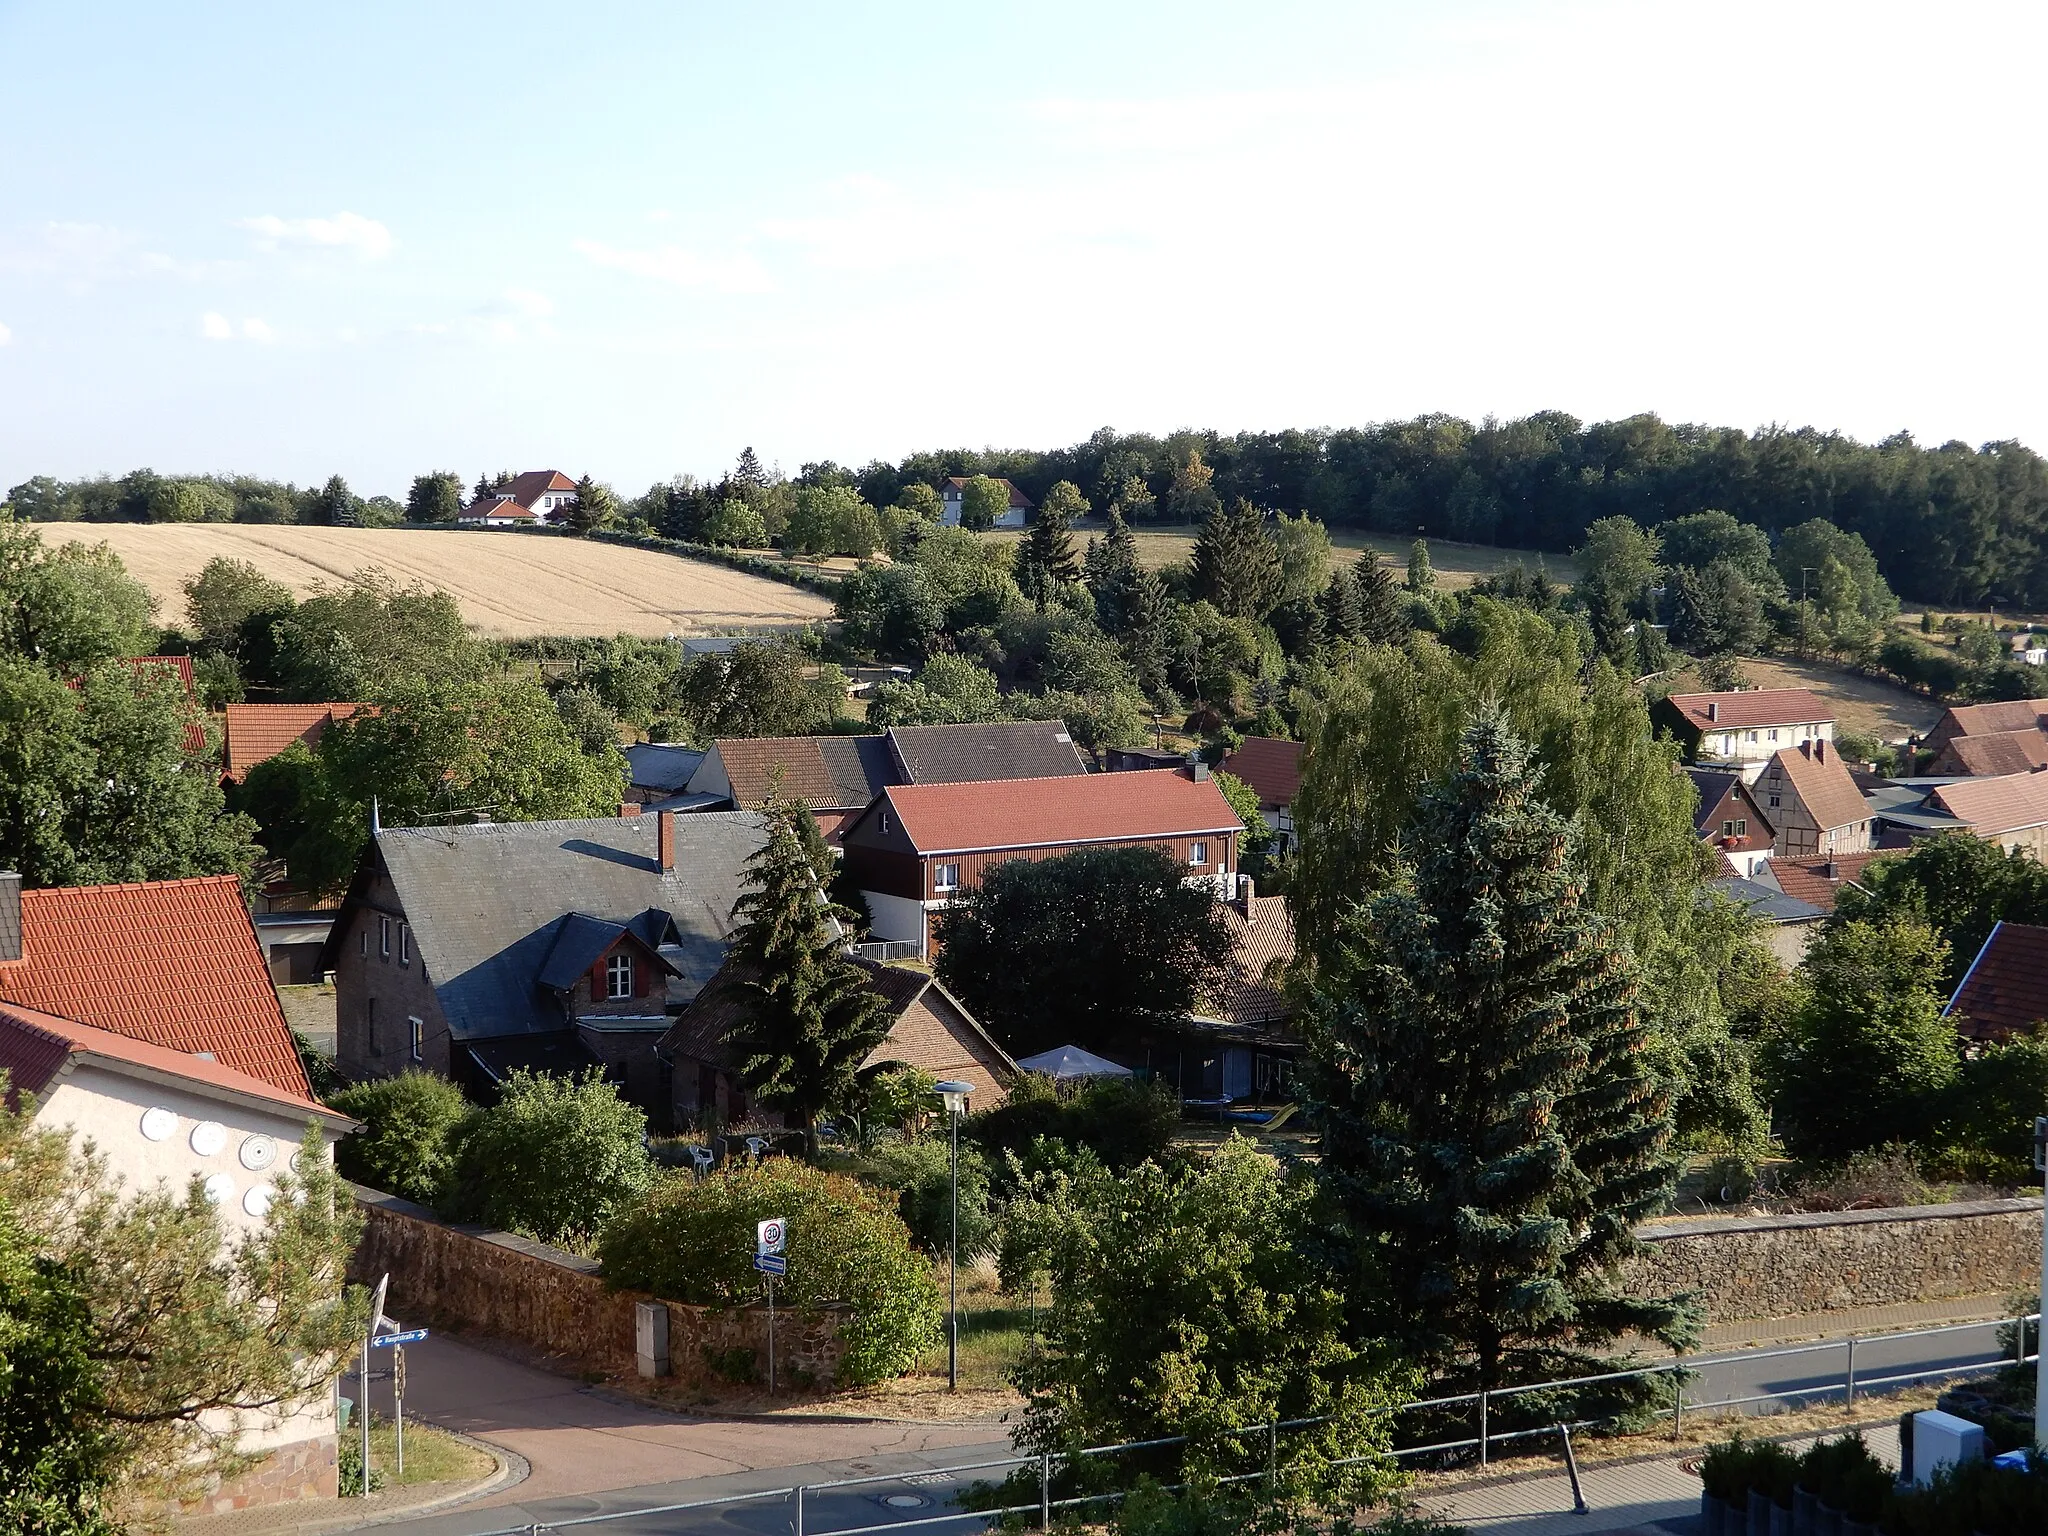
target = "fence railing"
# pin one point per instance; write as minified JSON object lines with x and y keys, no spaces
{"x":885,"y":950}
{"x":1680,"y":1370}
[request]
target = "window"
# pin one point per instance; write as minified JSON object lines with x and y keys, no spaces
{"x":405,"y":943}
{"x":370,"y":1019}
{"x":365,"y":937}
{"x":1727,"y":829}
{"x":1742,"y":826}
{"x":882,"y":822}
{"x":618,"y":976}
{"x":1774,"y":735}
{"x":1752,"y":735}
{"x":418,"y":1031}
{"x":1198,"y":853}
{"x":384,"y":937}
{"x":1774,"y":802}
{"x":945,"y":877}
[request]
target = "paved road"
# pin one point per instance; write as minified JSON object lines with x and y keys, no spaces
{"x":761,"y":1460}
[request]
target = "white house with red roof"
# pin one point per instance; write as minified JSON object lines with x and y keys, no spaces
{"x":919,"y":845}
{"x":533,"y":498}
{"x":1743,"y":728}
{"x":953,"y":494}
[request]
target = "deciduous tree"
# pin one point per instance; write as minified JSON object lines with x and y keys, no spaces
{"x":759,"y":688}
{"x":983,"y":501}
{"x":434,"y":498}
{"x":69,"y":607}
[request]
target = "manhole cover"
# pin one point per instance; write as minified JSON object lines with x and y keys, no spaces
{"x":905,"y":1501}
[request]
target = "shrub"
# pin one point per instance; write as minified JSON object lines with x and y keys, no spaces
{"x":692,"y":1240}
{"x":1874,"y":1180}
{"x":920,"y":1171}
{"x":554,"y":1159}
{"x":406,"y":1145}
{"x":1843,"y":1474}
{"x":1122,"y":1120}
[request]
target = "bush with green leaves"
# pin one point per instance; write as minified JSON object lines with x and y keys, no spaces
{"x":692,"y":1240}
{"x":920,"y":1171}
{"x":1122,"y":1120}
{"x":554,"y":1159}
{"x":407,"y":1144}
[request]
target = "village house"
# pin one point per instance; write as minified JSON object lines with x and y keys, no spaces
{"x":952,"y":498}
{"x":255,"y":733}
{"x":1980,"y":740}
{"x":532,"y":499}
{"x":1786,"y":924}
{"x":919,"y":845}
{"x":1813,"y":804}
{"x":2010,"y":810}
{"x":929,"y":1029}
{"x":1744,"y":728}
{"x":1272,"y":769}
{"x":838,"y":777}
{"x":1729,"y":820}
{"x":2005,"y":991}
{"x":470,"y":951}
{"x":1817,"y":881}
{"x":141,"y":1017}
{"x":1985,"y":720}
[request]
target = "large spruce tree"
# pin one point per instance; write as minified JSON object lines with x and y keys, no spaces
{"x":810,"y":1017}
{"x":1235,"y":565}
{"x":1114,"y":575}
{"x":1493,"y":1128}
{"x":1047,"y":560}
{"x":1382,"y":612}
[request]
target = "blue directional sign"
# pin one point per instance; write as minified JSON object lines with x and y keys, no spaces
{"x":386,"y":1340}
{"x":772,"y":1263}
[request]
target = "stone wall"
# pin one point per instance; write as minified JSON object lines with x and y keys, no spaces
{"x":305,"y":1469}
{"x":1785,"y":1266}
{"x":471,"y":1279}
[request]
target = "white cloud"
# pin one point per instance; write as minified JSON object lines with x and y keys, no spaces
{"x":257,"y":330}
{"x":525,"y":301}
{"x":5,"y":335}
{"x":345,"y":231}
{"x":738,"y":273}
{"x":216,"y":327}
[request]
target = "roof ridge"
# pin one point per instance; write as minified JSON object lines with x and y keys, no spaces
{"x":134,"y":885}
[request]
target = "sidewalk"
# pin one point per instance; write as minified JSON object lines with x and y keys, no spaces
{"x":1759,"y":1333}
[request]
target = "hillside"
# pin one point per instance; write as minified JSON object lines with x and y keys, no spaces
{"x":508,"y":585}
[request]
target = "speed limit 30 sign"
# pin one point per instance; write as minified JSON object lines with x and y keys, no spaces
{"x":770,"y":1235}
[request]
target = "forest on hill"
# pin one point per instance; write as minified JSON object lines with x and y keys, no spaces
{"x":1954,"y":525}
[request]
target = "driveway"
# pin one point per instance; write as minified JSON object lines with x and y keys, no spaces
{"x":580,"y":1441}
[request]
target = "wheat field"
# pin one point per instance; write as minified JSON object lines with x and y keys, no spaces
{"x":509,"y":585}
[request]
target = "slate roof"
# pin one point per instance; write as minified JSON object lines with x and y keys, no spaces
{"x":1035,"y":813}
{"x":1766,"y":902}
{"x":828,"y":773}
{"x":489,"y":903}
{"x":37,"y":1047}
{"x":1749,"y":708}
{"x":1998,"y":752}
{"x":659,"y":766}
{"x":960,"y":754}
{"x":173,"y":963}
{"x":1822,"y":783}
{"x":2005,"y":991}
{"x":1271,"y":766}
{"x":1991,"y":806}
{"x":1808,"y":879}
{"x":580,"y":939}
{"x":255,"y":733}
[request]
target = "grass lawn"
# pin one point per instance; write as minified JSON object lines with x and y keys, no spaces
{"x":431,"y":1455}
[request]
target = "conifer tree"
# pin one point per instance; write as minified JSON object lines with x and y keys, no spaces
{"x":809,"y":1017}
{"x":1421,"y":576}
{"x":593,"y":507}
{"x":1382,"y":616}
{"x":748,"y":472}
{"x":1145,"y":635}
{"x":1235,"y":564}
{"x":1494,"y":1129}
{"x":1113,"y":574}
{"x":1047,"y":561}
{"x":1342,"y":616}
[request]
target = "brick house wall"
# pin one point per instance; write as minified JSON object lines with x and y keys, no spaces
{"x":380,"y":985}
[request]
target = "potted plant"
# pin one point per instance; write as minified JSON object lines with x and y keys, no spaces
{"x":1774,"y":1472}
{"x":1724,"y":1488}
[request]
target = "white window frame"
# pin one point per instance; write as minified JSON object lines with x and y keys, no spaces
{"x":384,"y":937}
{"x":1198,"y":853}
{"x":945,"y":877}
{"x":416,"y":1030}
{"x":618,"y":970}
{"x":405,"y":943}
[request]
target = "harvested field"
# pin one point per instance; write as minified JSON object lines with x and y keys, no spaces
{"x":509,"y":585}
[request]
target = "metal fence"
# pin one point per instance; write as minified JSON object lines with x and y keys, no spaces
{"x":1681,"y":1371}
{"x":885,"y":950}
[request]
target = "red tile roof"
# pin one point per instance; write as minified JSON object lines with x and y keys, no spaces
{"x":1038,"y":813}
{"x":1992,"y":754}
{"x":2005,"y":991}
{"x":195,"y":733}
{"x":1749,"y":708}
{"x":34,"y":1047}
{"x":258,"y":732}
{"x":1808,"y":879}
{"x":1271,"y":766}
{"x":1991,"y":806}
{"x":530,"y":485}
{"x":1989,"y":719}
{"x":174,"y":963}
{"x":1823,"y":785}
{"x":1017,"y":497}
{"x":1261,"y":946}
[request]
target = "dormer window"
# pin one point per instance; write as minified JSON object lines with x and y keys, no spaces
{"x":618,"y":977}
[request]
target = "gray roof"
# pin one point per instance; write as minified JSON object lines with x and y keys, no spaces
{"x":1712,"y":783}
{"x":657,"y":765}
{"x":579,"y":940}
{"x":1766,"y":902}
{"x":489,"y":905}
{"x":967,"y":754}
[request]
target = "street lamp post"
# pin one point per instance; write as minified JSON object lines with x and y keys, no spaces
{"x":954,"y":1096}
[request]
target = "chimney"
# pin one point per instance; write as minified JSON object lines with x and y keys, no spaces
{"x":665,"y":840}
{"x":1820,"y":751}
{"x":1831,"y":870}
{"x":1713,"y":710}
{"x":1198,"y":770}
{"x":1806,"y":749}
{"x":10,"y":916}
{"x":629,"y":808}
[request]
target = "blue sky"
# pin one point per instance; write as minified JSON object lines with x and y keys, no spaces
{"x":382,"y":239}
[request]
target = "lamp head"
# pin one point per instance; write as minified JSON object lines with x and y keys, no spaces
{"x":955,"y":1096}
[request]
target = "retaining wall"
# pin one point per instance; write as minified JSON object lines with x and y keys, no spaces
{"x":471,"y":1278}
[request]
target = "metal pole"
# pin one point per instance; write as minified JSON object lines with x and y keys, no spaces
{"x":799,"y":1510}
{"x":1677,"y":1402}
{"x":771,"y":1335}
{"x":1482,"y":1427}
{"x":953,"y":1270}
{"x":1571,"y":1465}
{"x":363,"y":1408}
{"x":398,"y":1400}
{"x":1044,"y":1491}
{"x":1849,"y":1381}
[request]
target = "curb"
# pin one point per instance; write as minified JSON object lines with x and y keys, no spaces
{"x":512,"y":1470}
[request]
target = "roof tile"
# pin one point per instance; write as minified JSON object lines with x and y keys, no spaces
{"x":1271,"y":766}
{"x":1808,"y":880}
{"x":1034,"y":813}
{"x":1823,"y":785}
{"x":258,"y":732}
{"x":2006,"y":989}
{"x":1991,"y":806}
{"x":1747,"y":708}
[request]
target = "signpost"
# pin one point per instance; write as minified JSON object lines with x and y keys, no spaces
{"x":770,"y":1237}
{"x":393,"y":1340}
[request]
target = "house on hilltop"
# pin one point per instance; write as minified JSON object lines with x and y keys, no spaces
{"x":952,"y":498}
{"x":534,"y":498}
{"x":1742,"y":729}
{"x":919,"y":845}
{"x":552,"y":945}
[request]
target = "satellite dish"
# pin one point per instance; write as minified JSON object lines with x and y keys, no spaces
{"x":159,"y":1124}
